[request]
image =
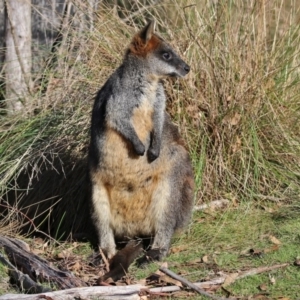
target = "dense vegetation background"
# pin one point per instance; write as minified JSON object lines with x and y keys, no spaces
{"x":238,"y":109}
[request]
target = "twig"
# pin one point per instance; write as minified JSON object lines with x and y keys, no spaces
{"x":220,"y":280}
{"x":270,"y":198}
{"x":214,"y":204}
{"x":104,"y":259}
{"x":189,"y":284}
{"x":261,"y":270}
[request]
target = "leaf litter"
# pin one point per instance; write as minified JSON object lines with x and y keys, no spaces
{"x":89,"y":267}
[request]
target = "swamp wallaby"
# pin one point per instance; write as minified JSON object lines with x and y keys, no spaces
{"x":141,"y":173}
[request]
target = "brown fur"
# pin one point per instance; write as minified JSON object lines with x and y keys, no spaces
{"x":130,"y":184}
{"x":138,"y":47}
{"x":142,"y":119}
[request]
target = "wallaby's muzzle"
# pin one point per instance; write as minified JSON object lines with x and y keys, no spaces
{"x":186,"y":69}
{"x":182,"y":69}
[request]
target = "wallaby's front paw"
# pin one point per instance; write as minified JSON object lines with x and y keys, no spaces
{"x":153,"y":154}
{"x":139,"y":149}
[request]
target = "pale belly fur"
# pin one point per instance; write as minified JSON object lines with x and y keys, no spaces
{"x":134,"y":186}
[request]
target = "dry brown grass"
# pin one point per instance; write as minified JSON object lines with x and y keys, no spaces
{"x":238,"y":109}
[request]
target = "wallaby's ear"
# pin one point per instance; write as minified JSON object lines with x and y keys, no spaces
{"x":145,"y":41}
{"x":147,"y":32}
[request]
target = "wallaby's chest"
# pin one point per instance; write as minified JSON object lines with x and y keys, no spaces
{"x":119,"y":162}
{"x":142,"y":119}
{"x":129,"y":179}
{"x":130,"y":183}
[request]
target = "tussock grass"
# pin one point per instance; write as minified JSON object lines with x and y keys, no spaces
{"x":242,"y":95}
{"x":238,"y":109}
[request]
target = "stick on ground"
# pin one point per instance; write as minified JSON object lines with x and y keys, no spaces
{"x":259,"y":270}
{"x":130,"y":292}
{"x":189,"y":284}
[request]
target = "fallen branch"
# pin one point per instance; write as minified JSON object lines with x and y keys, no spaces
{"x":135,"y":292}
{"x":130,"y":292}
{"x":165,"y":289}
{"x":188,"y":284}
{"x":216,"y":281}
{"x":261,"y":270}
{"x":23,"y":280}
{"x":36,"y":267}
{"x":220,"y":280}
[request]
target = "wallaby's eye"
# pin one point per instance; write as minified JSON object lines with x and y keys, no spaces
{"x":167,"y":55}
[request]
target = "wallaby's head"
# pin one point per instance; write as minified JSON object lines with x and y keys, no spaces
{"x":159,"y":55}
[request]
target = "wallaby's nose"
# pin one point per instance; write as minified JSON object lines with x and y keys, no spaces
{"x":187,"y":68}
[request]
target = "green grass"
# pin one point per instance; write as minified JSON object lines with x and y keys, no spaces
{"x":3,"y":279}
{"x":226,"y":237}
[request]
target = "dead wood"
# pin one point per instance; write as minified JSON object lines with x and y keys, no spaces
{"x":38,"y":268}
{"x":130,"y":292}
{"x":189,"y":284}
{"x":165,"y":289}
{"x":23,"y":280}
{"x":134,"y":292}
{"x":35,"y":267}
{"x":259,"y":270}
{"x":214,"y":281}
{"x":221,"y":279}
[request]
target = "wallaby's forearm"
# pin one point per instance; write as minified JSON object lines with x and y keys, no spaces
{"x":126,"y":129}
{"x":158,"y":121}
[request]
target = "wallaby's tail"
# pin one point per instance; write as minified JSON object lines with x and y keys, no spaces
{"x":120,"y":263}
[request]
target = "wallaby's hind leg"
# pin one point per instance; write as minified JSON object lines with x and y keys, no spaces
{"x":173,"y":202}
{"x":165,"y":222}
{"x":101,"y":215}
